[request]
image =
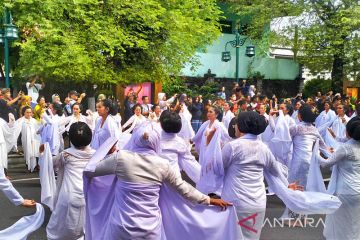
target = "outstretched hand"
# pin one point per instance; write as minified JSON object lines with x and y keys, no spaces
{"x":28,"y":203}
{"x":296,"y":186}
{"x":219,"y":202}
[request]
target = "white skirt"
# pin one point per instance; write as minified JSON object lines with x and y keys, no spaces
{"x":344,"y":224}
{"x":251,"y":223}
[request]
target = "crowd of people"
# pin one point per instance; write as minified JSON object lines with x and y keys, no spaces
{"x":111,"y":169}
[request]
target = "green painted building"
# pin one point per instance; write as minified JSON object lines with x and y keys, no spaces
{"x":276,"y":70}
{"x":271,"y":68}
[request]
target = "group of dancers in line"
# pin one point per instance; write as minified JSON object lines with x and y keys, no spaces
{"x":127,"y":185}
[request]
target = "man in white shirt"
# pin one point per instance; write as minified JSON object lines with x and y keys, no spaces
{"x":146,"y":106}
{"x":33,"y":89}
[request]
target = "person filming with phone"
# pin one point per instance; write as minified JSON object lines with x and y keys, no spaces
{"x":33,"y":89}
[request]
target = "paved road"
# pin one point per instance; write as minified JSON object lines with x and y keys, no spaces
{"x":28,"y":185}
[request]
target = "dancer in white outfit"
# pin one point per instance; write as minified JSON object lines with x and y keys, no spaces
{"x":345,"y":183}
{"x":68,"y":217}
{"x":106,"y":125}
{"x":175,"y":149}
{"x":135,"y":120}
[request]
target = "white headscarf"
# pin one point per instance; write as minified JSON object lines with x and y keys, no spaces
{"x":145,"y":139}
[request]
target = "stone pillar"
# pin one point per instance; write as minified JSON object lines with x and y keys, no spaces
{"x":91,"y":103}
{"x":301,"y":85}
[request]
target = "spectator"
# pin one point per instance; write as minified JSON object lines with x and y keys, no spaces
{"x":74,"y":97}
{"x":252,"y":90}
{"x":146,"y":106}
{"x":273,"y":102}
{"x":163,"y":102}
{"x":24,"y":102}
{"x":254,"y":103}
{"x":196,"y":110}
{"x":68,"y":106}
{"x":155,"y":114}
{"x":33,"y":89}
{"x":243,"y":106}
{"x":135,"y":94}
{"x":235,"y":88}
{"x":221,"y":94}
{"x":56,"y":98}
{"x":296,"y":111}
{"x":227,"y":114}
{"x":129,"y":103}
{"x":39,"y":108}
{"x":244,"y":87}
{"x":101,"y":97}
{"x":320,"y":103}
{"x":262,"y":111}
{"x":7,"y":104}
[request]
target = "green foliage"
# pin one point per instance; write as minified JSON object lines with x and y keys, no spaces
{"x":316,"y":85}
{"x":175,"y":85}
{"x":178,"y":85}
{"x":112,"y":41}
{"x":208,"y":90}
{"x":329,"y":43}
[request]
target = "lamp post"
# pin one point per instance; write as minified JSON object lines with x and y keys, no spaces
{"x":8,"y":32}
{"x":237,"y":43}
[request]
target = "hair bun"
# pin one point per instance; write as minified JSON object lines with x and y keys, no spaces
{"x":353,"y":128}
{"x":356,"y":134}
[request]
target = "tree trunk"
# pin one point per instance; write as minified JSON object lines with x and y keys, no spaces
{"x":337,"y":74}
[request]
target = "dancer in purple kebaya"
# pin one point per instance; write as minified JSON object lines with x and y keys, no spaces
{"x":134,"y":205}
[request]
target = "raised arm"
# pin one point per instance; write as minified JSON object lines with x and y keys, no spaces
{"x":65,"y":120}
{"x":138,"y":91}
{"x":272,"y":120}
{"x":9,"y":103}
{"x":82,"y":96}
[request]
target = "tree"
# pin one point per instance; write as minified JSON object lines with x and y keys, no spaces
{"x":322,"y":34}
{"x":113,"y":41}
{"x":316,"y":85}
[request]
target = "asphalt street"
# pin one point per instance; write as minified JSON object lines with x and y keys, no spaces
{"x":29,"y":186}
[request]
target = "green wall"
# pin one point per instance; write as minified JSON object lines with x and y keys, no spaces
{"x":277,"y":69}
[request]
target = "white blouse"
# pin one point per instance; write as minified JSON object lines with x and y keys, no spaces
{"x":347,"y":159}
{"x":244,"y":162}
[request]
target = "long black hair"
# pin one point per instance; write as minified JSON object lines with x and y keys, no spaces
{"x":107,"y":103}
